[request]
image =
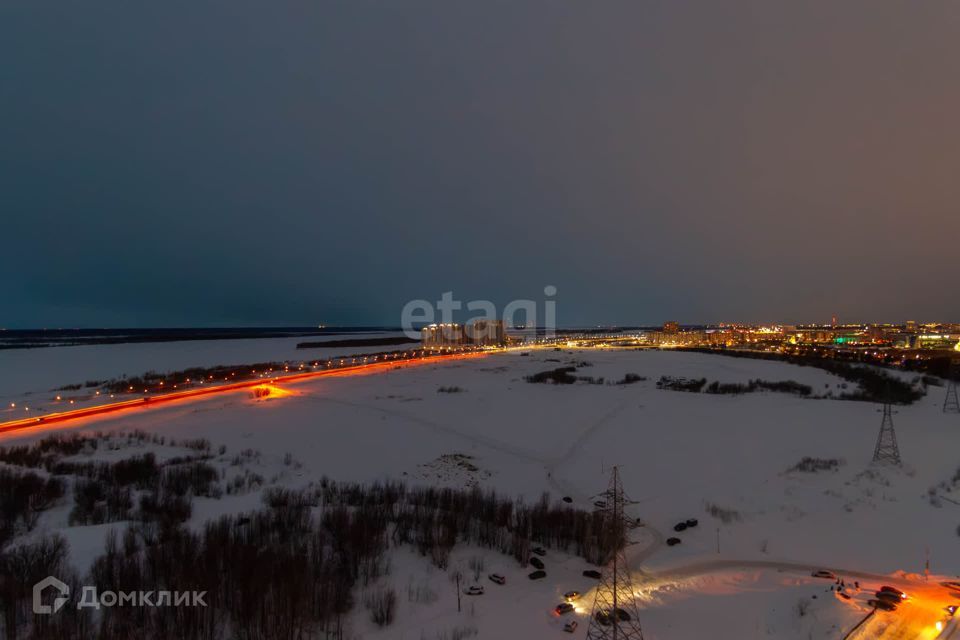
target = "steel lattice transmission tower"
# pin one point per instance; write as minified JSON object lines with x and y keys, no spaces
{"x":887,"y":450}
{"x":950,"y":403}
{"x":614,"y":614}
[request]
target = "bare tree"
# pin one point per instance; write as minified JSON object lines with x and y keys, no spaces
{"x":382,"y":605}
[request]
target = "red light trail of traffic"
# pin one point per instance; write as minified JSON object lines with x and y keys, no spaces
{"x":149,"y":402}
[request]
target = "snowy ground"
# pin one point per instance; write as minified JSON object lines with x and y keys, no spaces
{"x":679,"y":454}
{"x":36,"y":371}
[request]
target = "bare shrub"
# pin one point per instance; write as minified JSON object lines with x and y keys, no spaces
{"x":440,"y":557}
{"x":726,"y":516}
{"x":382,"y":605}
{"x":459,"y":633}
{"x":477,"y":565}
{"x":421,"y":592}
{"x":814,"y":465}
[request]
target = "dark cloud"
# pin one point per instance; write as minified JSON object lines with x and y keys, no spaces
{"x":293,"y":162}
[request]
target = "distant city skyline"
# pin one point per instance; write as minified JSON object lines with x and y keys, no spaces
{"x":304,"y":163}
{"x":910,"y":324}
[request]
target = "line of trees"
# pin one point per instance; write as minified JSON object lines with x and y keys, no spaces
{"x":23,"y":496}
{"x":670,"y":383}
{"x":289,"y":570}
{"x":562,"y":375}
{"x":779,"y":386}
{"x":875,"y":385}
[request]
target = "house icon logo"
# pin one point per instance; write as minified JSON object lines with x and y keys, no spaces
{"x":58,"y":601}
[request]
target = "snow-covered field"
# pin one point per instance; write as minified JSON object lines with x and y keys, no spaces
{"x":680,"y":454}
{"x":38,"y":371}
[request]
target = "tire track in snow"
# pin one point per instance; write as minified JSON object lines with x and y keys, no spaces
{"x":490,"y":443}
{"x":563,"y":487}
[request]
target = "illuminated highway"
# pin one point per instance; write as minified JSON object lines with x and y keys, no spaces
{"x":147,"y":402}
{"x":359,"y":365}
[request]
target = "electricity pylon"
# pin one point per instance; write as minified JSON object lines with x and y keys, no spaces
{"x":887,"y":450}
{"x":950,"y":403}
{"x":614,"y":614}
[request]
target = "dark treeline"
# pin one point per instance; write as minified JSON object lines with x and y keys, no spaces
{"x":137,"y":487}
{"x":23,"y":566}
{"x":874,"y":384}
{"x":694,"y":385}
{"x":23,"y":496}
{"x":562,"y":375}
{"x":112,"y":491}
{"x":187,"y":377}
{"x":289,"y":570}
{"x":780,"y":386}
{"x":814,"y":465}
{"x":48,"y":453}
{"x":37,"y":338}
{"x":358,"y":342}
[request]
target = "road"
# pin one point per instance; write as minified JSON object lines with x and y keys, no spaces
{"x":952,"y":630}
{"x":148,"y":402}
{"x":914,"y":619}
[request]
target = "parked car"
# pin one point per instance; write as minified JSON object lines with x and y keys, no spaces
{"x":540,"y":551}
{"x":605,"y":617}
{"x":680,"y":526}
{"x":537,"y":575}
{"x":562,"y":608}
{"x":672,"y":542}
{"x":571,"y":626}
{"x":497,"y":578}
{"x":567,"y":499}
{"x":569,"y":596}
{"x":892,"y":591}
{"x":823,"y":573}
{"x":591,"y":573}
{"x":883,"y":605}
{"x":692,"y":522}
{"x":536,"y":562}
{"x":474,"y":590}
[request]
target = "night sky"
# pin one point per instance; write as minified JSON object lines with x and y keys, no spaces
{"x":290,"y":163}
